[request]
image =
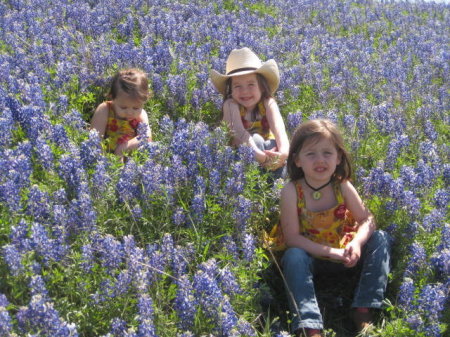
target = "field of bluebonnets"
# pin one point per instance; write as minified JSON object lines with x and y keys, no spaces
{"x":168,"y":243}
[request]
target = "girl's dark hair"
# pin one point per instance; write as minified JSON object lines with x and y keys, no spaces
{"x":315,"y":130}
{"x":132,"y":81}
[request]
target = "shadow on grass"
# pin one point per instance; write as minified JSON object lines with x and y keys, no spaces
{"x":334,"y":295}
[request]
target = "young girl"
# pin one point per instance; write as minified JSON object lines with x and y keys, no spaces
{"x":249,"y":108}
{"x":327,"y":228}
{"x":117,"y":120}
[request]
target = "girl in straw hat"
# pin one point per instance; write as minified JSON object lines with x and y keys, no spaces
{"x":249,"y":108}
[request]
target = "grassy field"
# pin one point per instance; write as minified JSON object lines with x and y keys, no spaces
{"x":169,"y":243}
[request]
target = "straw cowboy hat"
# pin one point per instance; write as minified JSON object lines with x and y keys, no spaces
{"x":243,"y":61}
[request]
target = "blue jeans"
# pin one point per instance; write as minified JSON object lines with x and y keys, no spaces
{"x":263,"y":144}
{"x":299,"y":268}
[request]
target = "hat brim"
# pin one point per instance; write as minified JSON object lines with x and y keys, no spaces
{"x":269,"y":70}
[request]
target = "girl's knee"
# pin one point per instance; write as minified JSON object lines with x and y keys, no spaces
{"x":381,"y":238}
{"x":294,"y":257}
{"x":259,"y":141}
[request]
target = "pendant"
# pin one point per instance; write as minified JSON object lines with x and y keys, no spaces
{"x":316,"y":195}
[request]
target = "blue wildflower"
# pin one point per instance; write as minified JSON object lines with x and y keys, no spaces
{"x":185,"y":303}
{"x":416,"y":260}
{"x":13,"y":259}
{"x":5,"y":319}
{"x":248,"y":246}
{"x":441,"y":198}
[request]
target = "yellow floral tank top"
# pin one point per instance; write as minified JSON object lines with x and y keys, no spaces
{"x":334,"y":227}
{"x":119,"y":130}
{"x":260,"y":125}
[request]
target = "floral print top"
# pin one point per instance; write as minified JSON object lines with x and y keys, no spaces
{"x":119,"y":130}
{"x":334,"y":227}
{"x":260,"y":125}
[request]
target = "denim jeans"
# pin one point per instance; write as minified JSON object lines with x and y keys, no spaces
{"x":299,"y":269}
{"x":263,"y":144}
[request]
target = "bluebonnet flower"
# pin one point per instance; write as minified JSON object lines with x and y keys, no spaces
{"x":179,"y":216}
{"x":166,"y":126}
{"x":37,"y":287}
{"x":433,"y":220}
{"x":39,"y":204}
{"x":158,"y":263}
{"x":446,"y":174}
{"x":71,"y":170}
{"x":110,"y":251}
{"x":180,"y":174}
{"x":242,"y":213}
{"x":157,"y":84}
{"x":136,"y":212}
{"x":101,"y":178}
{"x":406,"y":294}
{"x":245,"y":329}
{"x":74,"y":119}
{"x":5,"y":319}
{"x":431,"y":302}
{"x":441,"y":261}
{"x":60,"y":196}
{"x":214,"y":181}
{"x":430,"y":131}
{"x":429,"y":152}
{"x":60,"y":136}
{"x":441,"y":198}
{"x":13,"y":259}
{"x":50,"y":249}
{"x":198,"y":208}
{"x":230,"y":247}
{"x":414,"y":321}
{"x":185,"y":303}
{"x":199,"y":185}
{"x":145,"y":317}
{"x":168,"y":247}
{"x":211,"y":299}
{"x":19,"y":236}
{"x":118,"y":327}
{"x":181,"y":258}
{"x":6,"y":127}
{"x":228,"y":282}
{"x":246,"y":154}
{"x":87,"y":256}
{"x":248,"y":246}
{"x":44,"y":153}
{"x":152,"y":178}
{"x":91,"y":150}
{"x":349,"y":121}
{"x":40,"y":316}
{"x":416,"y":260}
{"x":127,"y":186}
{"x":411,"y":203}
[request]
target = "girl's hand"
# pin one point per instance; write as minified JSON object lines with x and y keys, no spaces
{"x":339,"y":254}
{"x":121,"y":149}
{"x":274,"y":159}
{"x":353,"y":253}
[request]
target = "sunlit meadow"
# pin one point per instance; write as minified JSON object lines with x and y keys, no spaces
{"x":169,"y":243}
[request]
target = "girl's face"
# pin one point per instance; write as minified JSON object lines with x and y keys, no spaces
{"x":245,"y":91}
{"x":318,"y":160}
{"x":126,"y":106}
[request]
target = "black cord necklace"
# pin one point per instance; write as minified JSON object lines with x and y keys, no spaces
{"x":316,"y":194}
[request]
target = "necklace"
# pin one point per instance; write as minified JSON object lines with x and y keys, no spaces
{"x":316,"y":194}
